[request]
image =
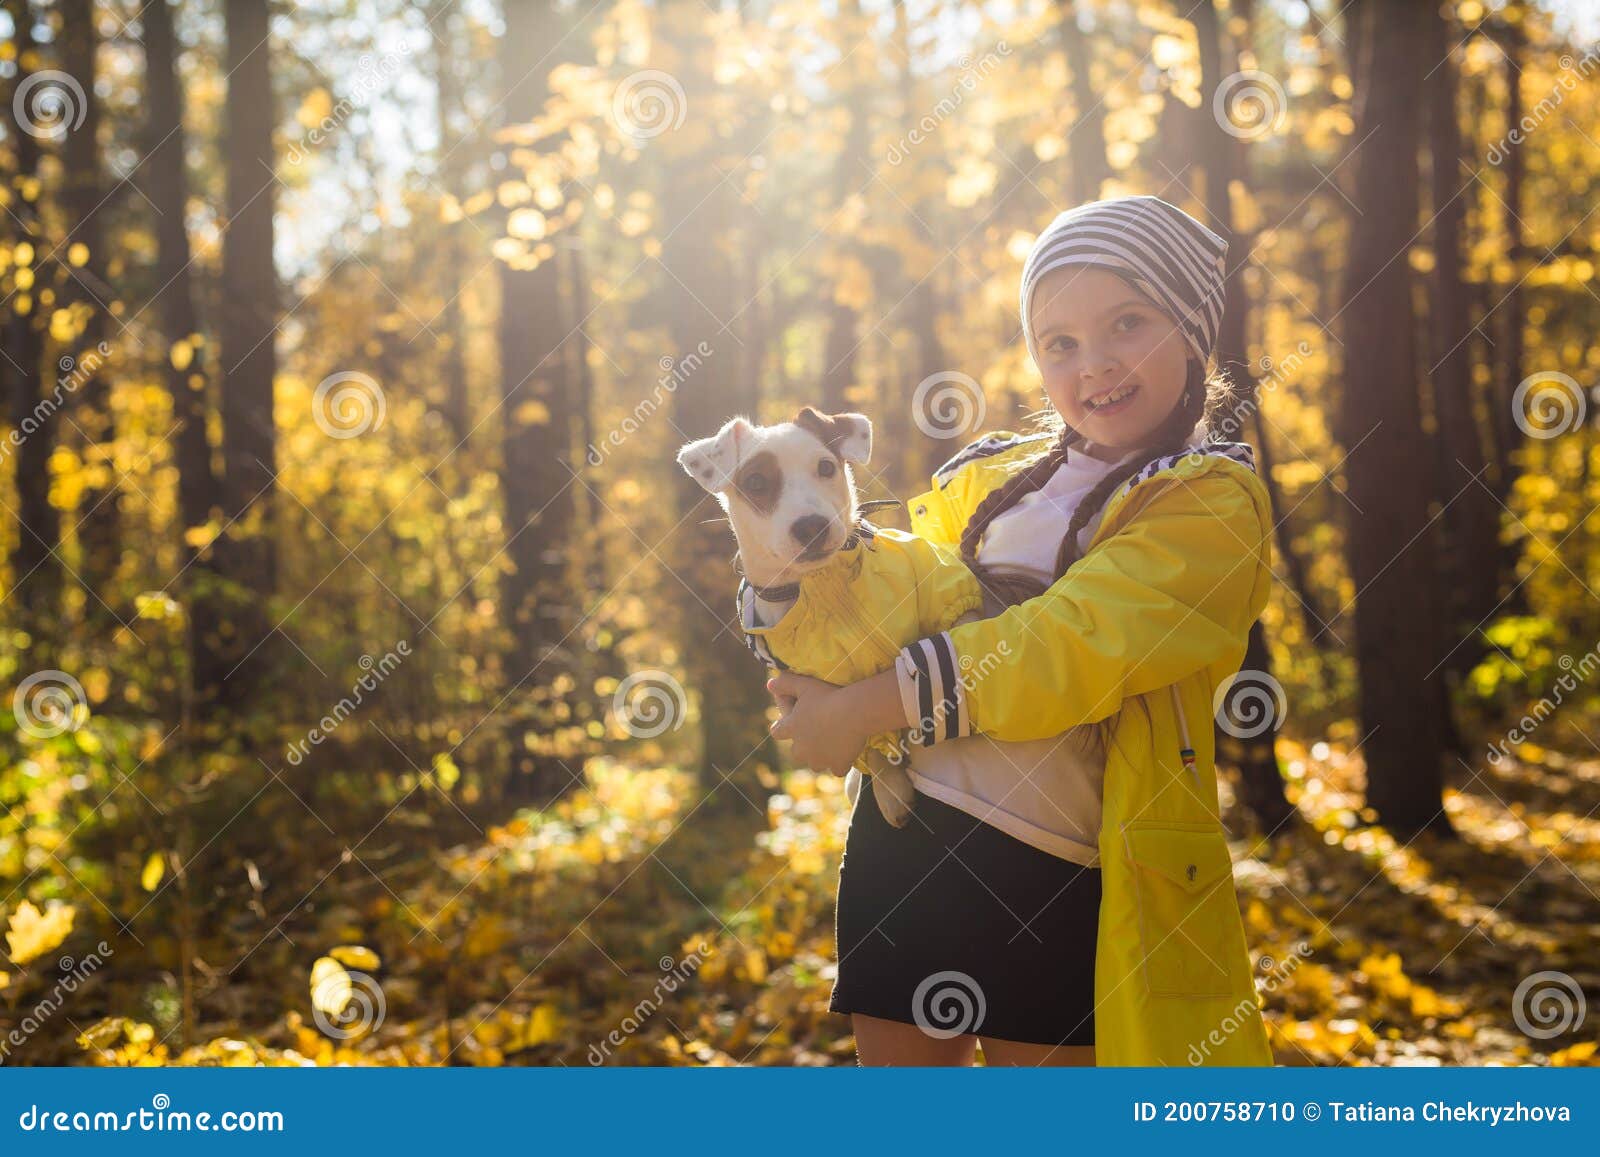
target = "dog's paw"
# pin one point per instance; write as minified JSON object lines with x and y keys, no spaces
{"x":895,"y":795}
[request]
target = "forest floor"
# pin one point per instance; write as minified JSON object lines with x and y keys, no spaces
{"x":625,"y":927}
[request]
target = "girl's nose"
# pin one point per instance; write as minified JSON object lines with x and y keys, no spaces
{"x":1095,"y":364}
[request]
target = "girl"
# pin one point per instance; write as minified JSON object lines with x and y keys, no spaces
{"x":1075,"y":905}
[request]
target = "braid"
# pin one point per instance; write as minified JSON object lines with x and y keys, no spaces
{"x":1168,"y":438}
{"x":1002,"y":498}
{"x":1005,"y":589}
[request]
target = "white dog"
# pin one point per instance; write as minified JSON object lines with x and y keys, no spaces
{"x":826,"y":594}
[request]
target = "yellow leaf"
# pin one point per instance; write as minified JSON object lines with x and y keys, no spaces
{"x":532,"y":413}
{"x":78,"y":253}
{"x":318,"y":104}
{"x":330,"y":986}
{"x":154,"y":868}
{"x":156,"y":605}
{"x":201,"y":537}
{"x":755,"y":965}
{"x":355,"y":956}
{"x":543,"y":1026}
{"x":33,"y":933}
{"x":182,"y":355}
{"x":527,"y":224}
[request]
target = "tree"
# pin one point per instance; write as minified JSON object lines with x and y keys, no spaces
{"x":536,"y":413}
{"x":852,"y":170}
{"x":1471,"y":514}
{"x":35,"y":567}
{"x":82,"y":196}
{"x":1389,"y":482}
{"x":246,"y":552}
{"x":1256,"y":755}
{"x":699,"y":299}
{"x":1086,"y":142}
{"x":167,"y":186}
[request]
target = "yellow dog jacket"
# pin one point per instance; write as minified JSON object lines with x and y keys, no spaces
{"x":853,"y":614}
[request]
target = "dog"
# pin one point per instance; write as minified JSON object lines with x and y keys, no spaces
{"x":826,"y":593}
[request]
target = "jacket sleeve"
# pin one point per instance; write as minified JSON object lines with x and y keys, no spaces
{"x":946,"y":589}
{"x":1174,"y":591}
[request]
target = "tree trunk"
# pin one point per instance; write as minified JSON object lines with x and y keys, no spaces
{"x":536,"y":473}
{"x":1086,"y":142}
{"x":81,"y":196}
{"x":36,"y":571}
{"x":453,"y":334}
{"x":1471,"y":515}
{"x":852,"y":170}
{"x":696,"y":209}
{"x":918,"y":452}
{"x":246,"y":554}
{"x":1256,"y":756}
{"x":1514,"y":45}
{"x":167,"y":186}
{"x":1388,"y":482}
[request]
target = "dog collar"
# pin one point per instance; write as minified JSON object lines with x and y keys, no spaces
{"x":788,"y":592}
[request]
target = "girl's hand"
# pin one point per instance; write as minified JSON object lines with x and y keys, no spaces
{"x":818,"y":723}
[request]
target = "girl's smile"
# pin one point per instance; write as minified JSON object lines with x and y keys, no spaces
{"x":1114,"y":363}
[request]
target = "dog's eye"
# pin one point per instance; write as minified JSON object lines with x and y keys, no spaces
{"x":826,"y":468}
{"x":754,"y":484}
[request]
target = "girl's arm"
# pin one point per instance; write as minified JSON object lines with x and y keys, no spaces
{"x":1174,"y":591}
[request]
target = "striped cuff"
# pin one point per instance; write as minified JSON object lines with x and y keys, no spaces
{"x":931,"y":695}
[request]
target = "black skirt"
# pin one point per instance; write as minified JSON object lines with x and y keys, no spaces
{"x":953,"y":925}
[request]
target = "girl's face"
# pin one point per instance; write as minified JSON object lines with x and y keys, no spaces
{"x":1114,"y":364}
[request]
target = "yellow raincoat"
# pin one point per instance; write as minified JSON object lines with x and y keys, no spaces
{"x":1163,"y":599}
{"x":885,"y":590}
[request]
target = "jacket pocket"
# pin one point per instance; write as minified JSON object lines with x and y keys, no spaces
{"x":1188,"y":912}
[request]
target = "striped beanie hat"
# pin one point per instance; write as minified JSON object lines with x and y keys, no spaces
{"x":1166,"y":254}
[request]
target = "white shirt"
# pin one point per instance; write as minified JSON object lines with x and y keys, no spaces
{"x":1027,"y":537}
{"x":1045,"y":792}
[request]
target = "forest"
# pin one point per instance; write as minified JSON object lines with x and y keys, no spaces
{"x":376,"y":694}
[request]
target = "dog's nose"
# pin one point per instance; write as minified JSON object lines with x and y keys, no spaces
{"x":809,"y":530}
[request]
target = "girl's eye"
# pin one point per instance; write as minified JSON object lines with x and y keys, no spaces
{"x":826,"y":468}
{"x":1063,"y":344}
{"x":1129,"y":321}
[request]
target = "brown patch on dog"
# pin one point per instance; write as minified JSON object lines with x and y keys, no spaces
{"x":828,"y":429}
{"x":765,"y":467}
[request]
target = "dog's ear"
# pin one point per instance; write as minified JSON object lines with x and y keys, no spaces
{"x":712,"y":461}
{"x":847,"y":435}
